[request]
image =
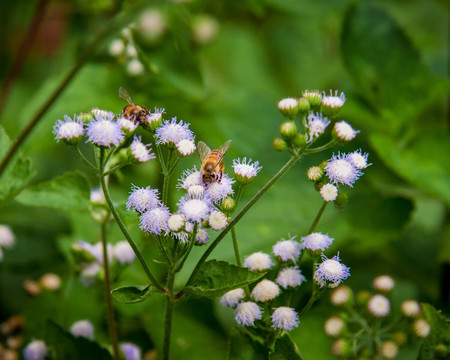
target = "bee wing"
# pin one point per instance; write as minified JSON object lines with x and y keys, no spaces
{"x":124,"y":95}
{"x":203,"y":150}
{"x":225,"y":147}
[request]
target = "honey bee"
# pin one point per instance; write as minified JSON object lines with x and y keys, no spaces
{"x":212,"y":165}
{"x":132,"y":111}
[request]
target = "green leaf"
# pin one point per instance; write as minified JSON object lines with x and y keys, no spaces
{"x":16,"y":175}
{"x":285,"y":349}
{"x":215,"y":278}
{"x":65,"y":346}
{"x":386,"y":66}
{"x":439,"y":335}
{"x":132,"y":294}
{"x":70,"y":191}
{"x":423,"y":160}
{"x":243,"y":347}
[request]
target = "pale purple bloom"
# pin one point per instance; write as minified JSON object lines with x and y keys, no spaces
{"x":246,"y":169}
{"x":333,"y":100}
{"x":142,"y":199}
{"x":316,"y":125}
{"x":340,"y":170}
{"x":286,"y":249}
{"x":332,"y":271}
{"x":141,"y":152}
{"x":190,"y":178}
{"x":217,"y":191}
{"x":232,"y":298}
{"x":247,"y":313}
{"x":35,"y":350}
{"x":285,"y":318}
{"x":68,"y":129}
{"x":290,"y":277}
{"x":358,"y":159}
{"x":194,"y":208}
{"x":103,"y":131}
{"x":155,"y":220}
{"x":131,"y":351}
{"x":83,"y":328}
{"x":123,"y":252}
{"x":173,"y":132}
{"x":316,"y":241}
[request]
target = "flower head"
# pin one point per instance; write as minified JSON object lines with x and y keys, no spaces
{"x":217,"y":191}
{"x":154,"y":120}
{"x":176,"y":222}
{"x":140,"y":151}
{"x":340,"y":170}
{"x":378,"y":305}
{"x":344,"y":131}
{"x":258,"y":261}
{"x":333,"y":101}
{"x":194,"y":208}
{"x":131,"y":351}
{"x":186,"y":147}
{"x":331,"y":271}
{"x":358,"y":159}
{"x":69,"y":130}
{"x":83,"y":328}
{"x":410,"y":308}
{"x":155,"y":220}
{"x":421,"y":328}
{"x":383,"y":283}
{"x":35,"y":350}
{"x":389,"y":349}
{"x":341,"y":295}
{"x":202,"y":236}
{"x":265,"y":290}
{"x":285,"y":318}
{"x":232,"y":298}
{"x":50,"y":281}
{"x":314,"y":173}
{"x":334,"y":326}
{"x":116,"y":47}
{"x":217,"y":220}
{"x":245,"y":171}
{"x":329,"y":192}
{"x":7,"y":237}
{"x":123,"y":252}
{"x":190,"y":178}
{"x":103,"y":131}
{"x":286,"y":250}
{"x":135,"y":67}
{"x":196,"y":191}
{"x":127,"y":125}
{"x":143,"y":199}
{"x":316,"y":241}
{"x":173,"y":132}
{"x":288,"y":106}
{"x":316,"y":125}
{"x":290,"y":277}
{"x":247,"y":312}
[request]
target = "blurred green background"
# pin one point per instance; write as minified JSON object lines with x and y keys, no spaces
{"x":222,"y":66}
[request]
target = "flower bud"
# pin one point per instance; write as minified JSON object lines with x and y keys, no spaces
{"x":343,"y":131}
{"x":314,"y":173}
{"x":279,"y":144}
{"x":303,"y":105}
{"x":299,"y":140}
{"x":153,"y":120}
{"x":442,"y":350}
{"x":288,"y":107}
{"x":362,"y":297}
{"x":314,"y":97}
{"x":341,"y":201}
{"x":331,"y":104}
{"x":341,"y":348}
{"x":389,"y":350}
{"x":342,"y":295}
{"x":400,"y":338}
{"x":288,"y":129}
{"x":85,"y":117}
{"x":228,"y":204}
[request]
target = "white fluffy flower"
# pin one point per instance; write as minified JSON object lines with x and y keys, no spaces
{"x":190,"y":178}
{"x":340,"y":170}
{"x":186,"y":147}
{"x":410,"y":308}
{"x":245,"y":171}
{"x":421,"y":328}
{"x":155,"y":220}
{"x":35,"y":350}
{"x":316,"y":125}
{"x":331,"y":271}
{"x":285,"y":318}
{"x":103,"y":131}
{"x":258,"y":261}
{"x":173,"y":132}
{"x":333,"y":101}
{"x":131,"y":351}
{"x":217,"y":191}
{"x":176,"y":222}
{"x":143,"y":199}
{"x":358,"y":159}
{"x":316,"y":241}
{"x":116,"y":47}
{"x":389,"y":350}
{"x":202,"y":236}
{"x":123,"y":252}
{"x":344,"y":131}
{"x":196,"y":191}
{"x":290,"y":277}
{"x":135,"y":67}
{"x":140,"y":151}
{"x":379,"y":305}
{"x":287,"y":104}
{"x":7,"y":237}
{"x":68,"y":130}
{"x":341,"y":295}
{"x":127,"y":125}
{"x":50,"y":281}
{"x":334,"y":326}
{"x":232,"y":298}
{"x":286,"y":249}
{"x":383,"y":283}
{"x":329,"y":192}
{"x":265,"y":290}
{"x":83,"y":328}
{"x":217,"y":220}
{"x":195,"y":209}
{"x":247,"y":312}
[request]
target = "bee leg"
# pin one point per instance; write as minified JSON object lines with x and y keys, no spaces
{"x":222,"y":168}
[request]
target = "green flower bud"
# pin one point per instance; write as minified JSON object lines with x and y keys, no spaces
{"x":85,"y":117}
{"x":288,"y":107}
{"x":341,"y":201}
{"x":288,"y":129}
{"x":299,"y":140}
{"x":314,"y":97}
{"x":362,"y":297}
{"x":314,"y":173}
{"x":303,"y":105}
{"x":228,"y":204}
{"x":279,"y":144}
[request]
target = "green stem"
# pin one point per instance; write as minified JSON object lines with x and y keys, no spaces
{"x":321,"y":148}
{"x":318,"y":216}
{"x":111,"y":321}
{"x":317,"y":292}
{"x":123,"y":228}
{"x":161,"y":249}
{"x":169,"y":315}
{"x":247,"y":207}
{"x":236,"y":247}
{"x":86,"y":161}
{"x":115,"y":168}
{"x":191,"y":245}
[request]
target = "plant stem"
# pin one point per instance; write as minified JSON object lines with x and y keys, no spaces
{"x":86,"y":161}
{"x":123,"y":228}
{"x":236,"y":247}
{"x":111,"y":321}
{"x":169,"y":314}
{"x":252,"y":201}
{"x":318,"y":216}
{"x":321,"y":148}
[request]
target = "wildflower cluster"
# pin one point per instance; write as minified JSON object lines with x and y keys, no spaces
{"x":266,"y":304}
{"x":368,"y":317}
